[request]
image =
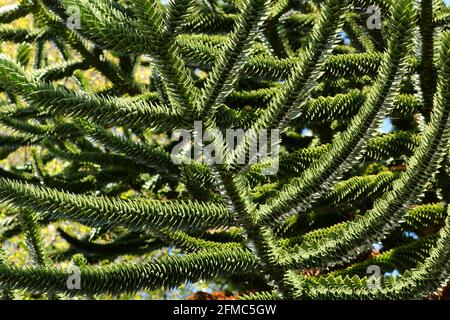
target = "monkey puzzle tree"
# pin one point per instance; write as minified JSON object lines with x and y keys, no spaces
{"x":325,"y":74}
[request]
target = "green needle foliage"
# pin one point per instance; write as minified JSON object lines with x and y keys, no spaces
{"x":320,"y":72}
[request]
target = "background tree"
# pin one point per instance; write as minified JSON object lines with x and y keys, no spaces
{"x":318,"y":71}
